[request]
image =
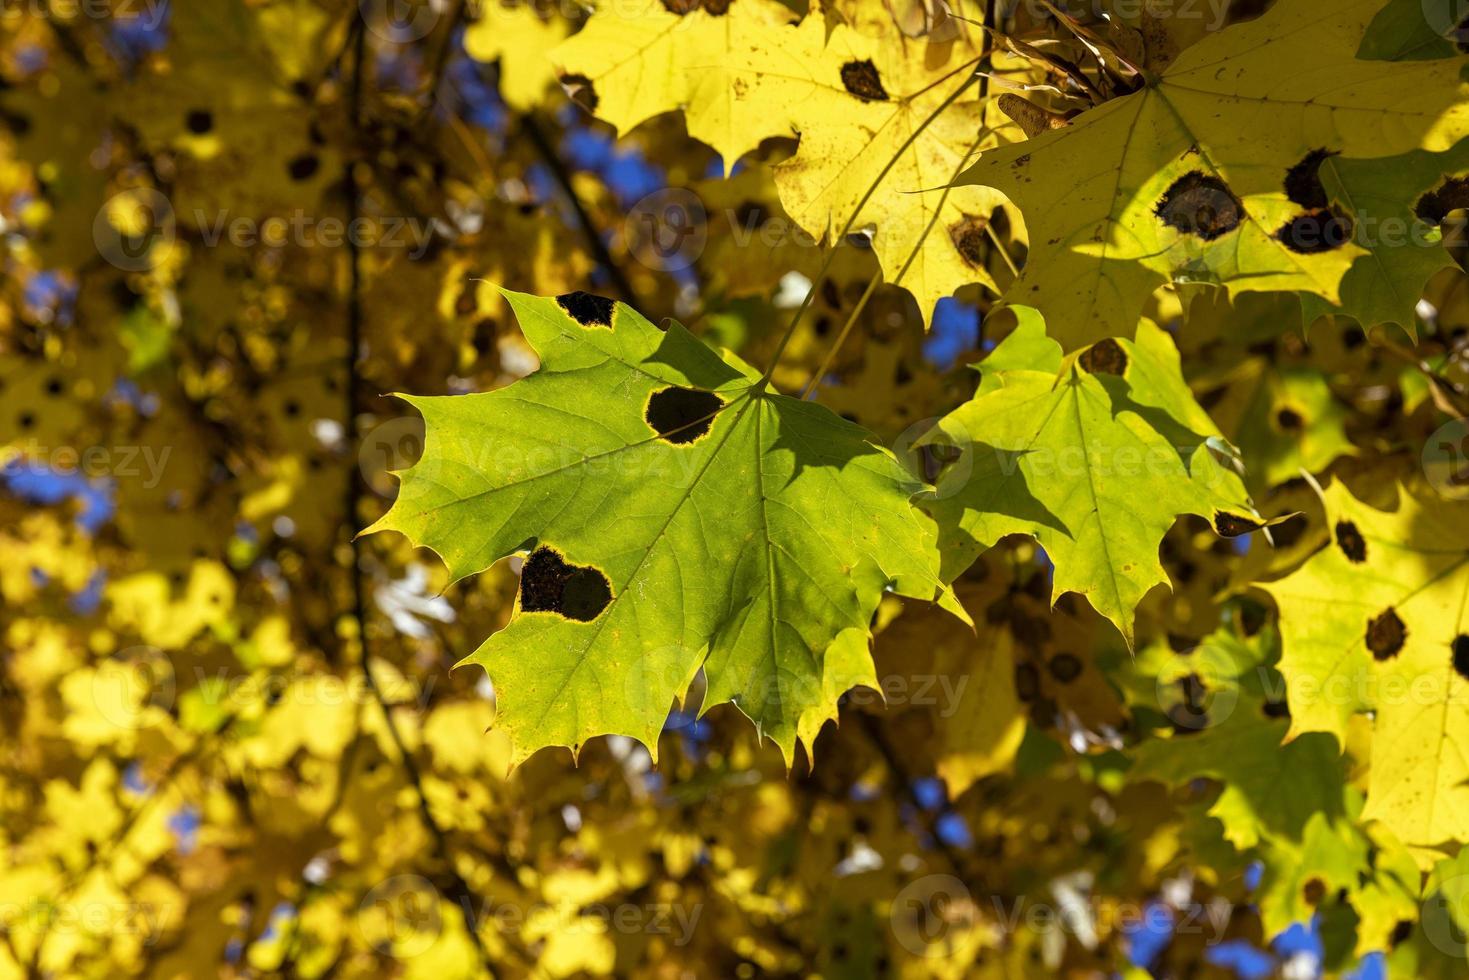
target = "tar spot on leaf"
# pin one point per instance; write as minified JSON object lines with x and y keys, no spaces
{"x":1303,"y":182}
{"x":1314,"y":891}
{"x":1460,"y":646}
{"x":1289,"y":419}
{"x":587,"y":309}
{"x":1386,"y":634}
{"x":1027,"y":682}
{"x":303,"y":167}
{"x":682,"y":415}
{"x":548,"y":583}
{"x":862,"y":80}
{"x":1451,"y":195}
{"x":1200,"y":205}
{"x":1351,"y":542}
{"x":968,"y":237}
{"x":1104,"y":357}
{"x":579,"y":89}
{"x":1232,"y":525}
{"x":199,"y":121}
{"x":1064,"y":667}
{"x":1314,"y":232}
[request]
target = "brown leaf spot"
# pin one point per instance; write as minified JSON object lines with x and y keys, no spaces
{"x":1027,"y":682}
{"x":548,"y":583}
{"x":1104,"y":357}
{"x":1313,"y":891}
{"x":1303,"y":181}
{"x":1314,"y":232}
{"x":1349,"y":539}
{"x":587,"y":309}
{"x":1200,"y":205}
{"x":968,"y":237}
{"x":1065,"y":667}
{"x":1386,"y":634}
{"x":682,"y":415}
{"x":862,"y":80}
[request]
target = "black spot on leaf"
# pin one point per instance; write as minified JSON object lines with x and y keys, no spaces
{"x":862,"y":80}
{"x":1349,"y":539}
{"x":1200,"y":205}
{"x":1289,"y":531}
{"x":579,"y":89}
{"x":1314,"y":232}
{"x":1451,"y":195}
{"x":199,"y":121}
{"x":1289,"y":419}
{"x":303,"y":167}
{"x":1104,"y":357}
{"x":1064,"y":667}
{"x":1275,"y":709}
{"x":1233,"y":525}
{"x":587,"y":309}
{"x":1386,"y":634}
{"x":1027,"y":682}
{"x":1303,"y":181}
{"x":1460,"y":646}
{"x":682,"y":415}
{"x":548,"y":583}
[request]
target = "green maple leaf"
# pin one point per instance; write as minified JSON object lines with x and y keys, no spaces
{"x":1209,"y":172}
{"x":1216,"y":697}
{"x":1095,"y":456}
{"x":1395,"y":206}
{"x":1379,"y":621}
{"x":676,"y":514}
{"x":1417,"y":30}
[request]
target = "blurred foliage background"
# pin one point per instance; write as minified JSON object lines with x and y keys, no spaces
{"x":233,"y":743}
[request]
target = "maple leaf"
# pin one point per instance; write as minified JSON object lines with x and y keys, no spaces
{"x":1376,"y":621}
{"x":675,"y":514}
{"x":1208,"y":173}
{"x":1095,"y":456}
{"x":1223,"y":732}
{"x":875,"y":122}
{"x":521,"y":41}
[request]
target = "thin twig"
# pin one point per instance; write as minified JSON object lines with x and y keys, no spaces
{"x":461,"y":895}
